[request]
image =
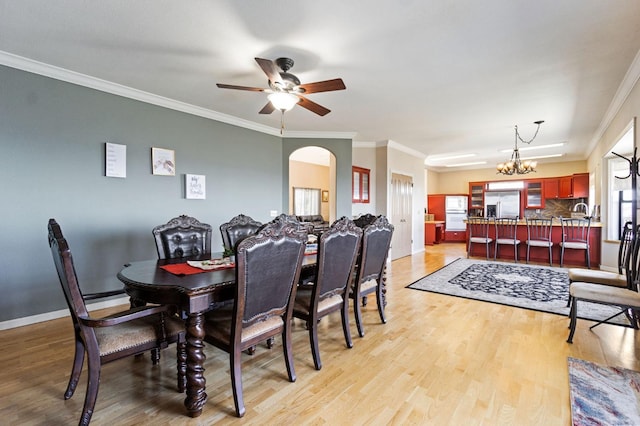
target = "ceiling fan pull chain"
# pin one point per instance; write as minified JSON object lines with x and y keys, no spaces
{"x":281,"y":122}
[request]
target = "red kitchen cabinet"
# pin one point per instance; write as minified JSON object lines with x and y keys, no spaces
{"x":436,"y":206}
{"x":565,"y":185}
{"x":580,"y":187}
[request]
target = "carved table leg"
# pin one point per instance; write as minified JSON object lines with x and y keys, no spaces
{"x":196,"y":396}
{"x":383,"y":285}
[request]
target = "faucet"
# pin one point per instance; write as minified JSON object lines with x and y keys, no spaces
{"x":586,"y":208}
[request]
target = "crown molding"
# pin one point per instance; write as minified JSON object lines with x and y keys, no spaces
{"x":390,"y":144}
{"x":407,"y":150}
{"x":62,"y":74}
{"x":361,"y":144}
{"x":319,"y":135}
{"x":624,"y":89}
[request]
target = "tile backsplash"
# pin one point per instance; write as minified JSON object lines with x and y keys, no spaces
{"x":554,"y":208}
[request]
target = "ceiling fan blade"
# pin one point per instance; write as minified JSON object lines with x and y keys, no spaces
{"x":323,"y":86}
{"x":270,"y":69}
{"x":312,"y":106}
{"x":267,"y":109}
{"x":231,"y":86}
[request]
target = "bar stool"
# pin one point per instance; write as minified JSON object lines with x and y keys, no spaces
{"x":506,"y":234}
{"x":575,"y":236}
{"x":479,"y":232}
{"x":539,"y":235}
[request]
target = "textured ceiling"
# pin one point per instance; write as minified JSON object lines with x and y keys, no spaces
{"x":439,"y":77}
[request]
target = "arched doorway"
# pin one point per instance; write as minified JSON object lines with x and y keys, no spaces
{"x":312,"y":172}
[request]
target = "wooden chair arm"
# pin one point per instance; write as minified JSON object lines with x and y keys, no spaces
{"x":93,"y":296}
{"x":128,"y":315}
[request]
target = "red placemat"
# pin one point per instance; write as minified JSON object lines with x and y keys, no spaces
{"x":186,"y":269}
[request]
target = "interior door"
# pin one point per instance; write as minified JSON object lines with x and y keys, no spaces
{"x":401,"y":215}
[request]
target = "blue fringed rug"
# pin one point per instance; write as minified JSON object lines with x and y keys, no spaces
{"x":603,"y":395}
{"x":540,"y":288}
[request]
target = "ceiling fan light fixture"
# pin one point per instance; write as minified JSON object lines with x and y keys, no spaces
{"x":283,"y":101}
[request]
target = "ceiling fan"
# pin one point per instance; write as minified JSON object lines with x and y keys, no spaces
{"x":285,"y":89}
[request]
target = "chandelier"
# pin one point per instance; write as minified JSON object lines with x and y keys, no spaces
{"x":515,"y":165}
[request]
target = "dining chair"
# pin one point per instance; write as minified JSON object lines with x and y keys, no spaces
{"x":608,"y":278}
{"x":575,"y":236}
{"x":478,"y":228}
{"x":337,"y":251}
{"x":625,"y":298}
{"x":267,"y":271}
{"x":364,"y":220}
{"x":539,"y":234}
{"x":182,"y":236}
{"x":371,"y":263}
{"x":114,"y":337}
{"x":238,"y":228}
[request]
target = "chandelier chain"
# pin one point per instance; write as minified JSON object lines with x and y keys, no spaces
{"x":515,"y":165}
{"x":530,"y":140}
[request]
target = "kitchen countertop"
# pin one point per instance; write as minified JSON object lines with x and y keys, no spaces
{"x":556,"y":222}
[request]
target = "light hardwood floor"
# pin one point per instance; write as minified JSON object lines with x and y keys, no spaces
{"x":439,"y":360}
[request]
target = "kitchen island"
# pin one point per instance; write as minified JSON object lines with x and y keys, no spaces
{"x":541,"y":254}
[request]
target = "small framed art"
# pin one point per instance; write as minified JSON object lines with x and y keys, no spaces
{"x":325,"y":196}
{"x":195,"y":188}
{"x":163,"y":162}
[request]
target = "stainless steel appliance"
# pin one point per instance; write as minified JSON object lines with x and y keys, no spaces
{"x":455,"y":212}
{"x":502,"y":204}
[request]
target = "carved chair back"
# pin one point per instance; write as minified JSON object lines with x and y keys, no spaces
{"x":237,"y":229}
{"x":182,"y":236}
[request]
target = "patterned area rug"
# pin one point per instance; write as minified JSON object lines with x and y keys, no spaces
{"x":603,"y":395}
{"x":540,"y":288}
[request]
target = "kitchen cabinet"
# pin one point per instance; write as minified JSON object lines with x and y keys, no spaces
{"x":533,"y":195}
{"x":436,"y":206}
{"x":551,"y":188}
{"x":476,"y":195}
{"x":450,"y":236}
{"x":433,"y":232}
{"x":565,"y":187}
{"x":580,"y":187}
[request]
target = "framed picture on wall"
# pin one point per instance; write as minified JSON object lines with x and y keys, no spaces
{"x":325,"y":196}
{"x":163,"y":162}
{"x":195,"y":188}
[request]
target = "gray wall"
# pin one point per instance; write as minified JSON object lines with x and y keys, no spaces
{"x":52,"y":137}
{"x":342,"y":150}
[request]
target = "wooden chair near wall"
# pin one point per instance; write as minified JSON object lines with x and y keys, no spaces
{"x":114,"y":337}
{"x":182,"y":236}
{"x":237,"y":229}
{"x":329,"y":292}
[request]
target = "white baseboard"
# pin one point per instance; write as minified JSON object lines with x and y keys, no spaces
{"x":19,"y":322}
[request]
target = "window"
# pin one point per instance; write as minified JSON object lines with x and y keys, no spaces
{"x":619,"y":194}
{"x":360,"y":184}
{"x":306,"y":201}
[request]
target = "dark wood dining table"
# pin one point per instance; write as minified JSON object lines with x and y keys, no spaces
{"x":147,"y":282}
